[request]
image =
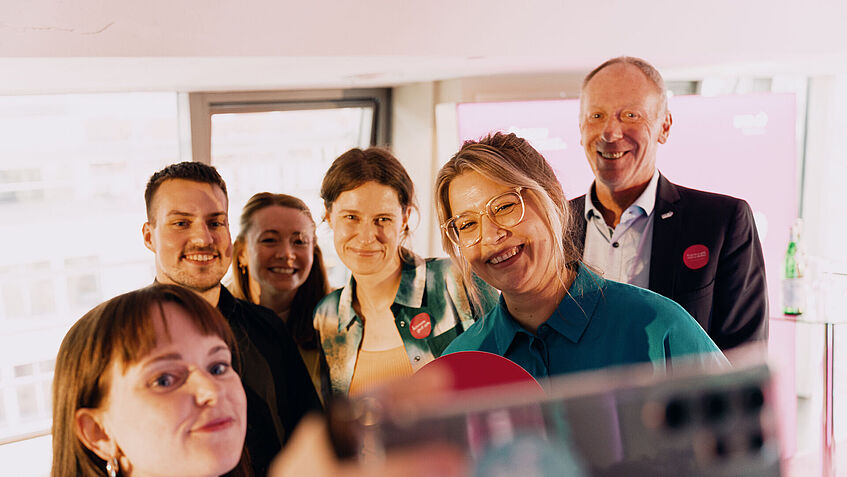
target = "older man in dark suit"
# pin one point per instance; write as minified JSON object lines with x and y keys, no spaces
{"x":697,"y":248}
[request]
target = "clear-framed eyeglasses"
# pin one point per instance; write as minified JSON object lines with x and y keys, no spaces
{"x":505,"y":210}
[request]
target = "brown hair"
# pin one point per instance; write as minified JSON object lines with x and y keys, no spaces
{"x":310,"y":292}
{"x":374,"y":164}
{"x":120,"y":329}
{"x":512,"y":161}
{"x":191,"y":171}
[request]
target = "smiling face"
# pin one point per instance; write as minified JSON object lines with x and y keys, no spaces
{"x":179,"y":410}
{"x":280,"y":248}
{"x":367,"y":224}
{"x":515,"y":260}
{"x":189,"y":233}
{"x":622,"y":121}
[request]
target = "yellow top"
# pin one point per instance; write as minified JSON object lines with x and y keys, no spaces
{"x":311,"y":358}
{"x":378,"y":367}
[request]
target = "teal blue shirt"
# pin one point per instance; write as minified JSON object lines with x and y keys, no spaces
{"x":600,"y":323}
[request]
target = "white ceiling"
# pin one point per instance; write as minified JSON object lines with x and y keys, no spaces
{"x":193,"y":45}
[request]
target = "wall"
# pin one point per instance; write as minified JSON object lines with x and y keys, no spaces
{"x":413,"y":142}
{"x":824,"y":209}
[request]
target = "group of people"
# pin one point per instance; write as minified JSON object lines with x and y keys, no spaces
{"x":189,"y":377}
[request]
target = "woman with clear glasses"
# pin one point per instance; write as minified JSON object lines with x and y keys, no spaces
{"x":398,"y":311}
{"x":505,"y":219}
{"x":277,"y":263}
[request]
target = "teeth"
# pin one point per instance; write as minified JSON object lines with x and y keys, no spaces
{"x":200,"y":258}
{"x":504,"y":256}
{"x":612,"y":155}
{"x":288,"y":271}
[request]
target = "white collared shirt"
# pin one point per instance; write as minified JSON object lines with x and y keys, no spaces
{"x":622,"y":253}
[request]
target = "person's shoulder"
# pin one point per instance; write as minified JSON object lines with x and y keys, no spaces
{"x":709,"y":199}
{"x":254,"y":313}
{"x":478,"y":337}
{"x":711,"y":209}
{"x":452,"y":277}
{"x":657,"y":315}
{"x":438,"y":263}
{"x":259,"y":324}
{"x":576,"y":205}
{"x":235,"y":308}
{"x":330,"y":300}
{"x":443,"y":267}
{"x":471,"y":339}
{"x":641,"y":302}
{"x":255,"y":309}
{"x":327,"y":308}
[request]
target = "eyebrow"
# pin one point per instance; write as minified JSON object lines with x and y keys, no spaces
{"x":277,"y":231}
{"x":176,"y":356}
{"x":471,"y":211}
{"x":357,"y":211}
{"x":474,"y":209}
{"x":179,"y":213}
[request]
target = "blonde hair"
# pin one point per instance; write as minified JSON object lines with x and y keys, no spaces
{"x":509,"y":160}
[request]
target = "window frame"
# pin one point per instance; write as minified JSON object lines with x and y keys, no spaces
{"x":202,"y":105}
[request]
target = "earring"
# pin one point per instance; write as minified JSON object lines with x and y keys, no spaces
{"x":112,"y":467}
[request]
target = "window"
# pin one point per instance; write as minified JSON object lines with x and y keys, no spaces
{"x":284,"y":143}
{"x":72,"y":175}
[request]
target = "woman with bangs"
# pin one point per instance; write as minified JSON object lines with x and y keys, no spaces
{"x":144,"y":385}
{"x":504,"y":218}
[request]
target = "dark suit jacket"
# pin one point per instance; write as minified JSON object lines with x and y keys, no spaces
{"x":728,"y":295}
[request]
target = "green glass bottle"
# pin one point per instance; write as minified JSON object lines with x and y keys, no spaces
{"x":793,"y":283}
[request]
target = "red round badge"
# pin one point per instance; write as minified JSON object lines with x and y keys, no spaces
{"x":421,"y":326}
{"x":695,"y":256}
